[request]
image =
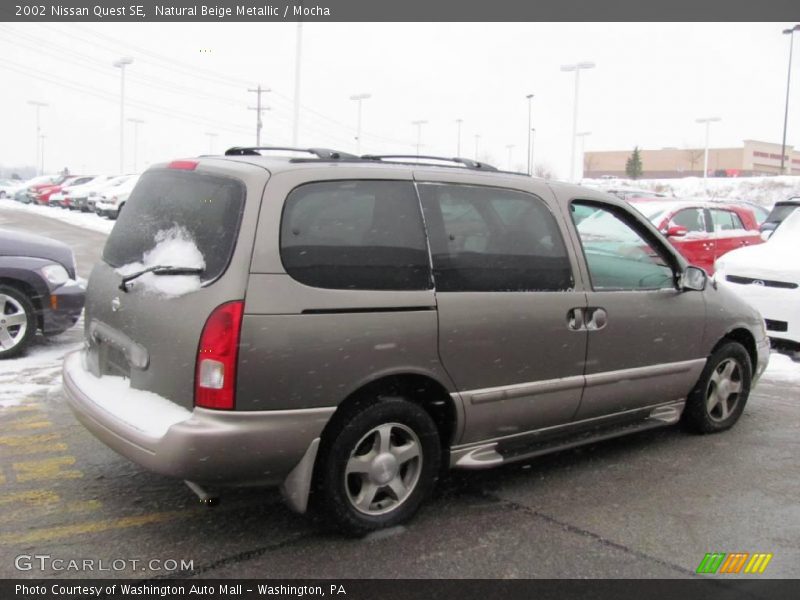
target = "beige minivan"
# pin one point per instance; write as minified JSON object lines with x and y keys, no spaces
{"x":348,"y":327}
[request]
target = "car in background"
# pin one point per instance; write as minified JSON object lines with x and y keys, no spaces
{"x":702,"y":231}
{"x":47,"y":181}
{"x":64,"y":197}
{"x":44,"y":194}
{"x":33,"y":185}
{"x":7,"y":186}
{"x":85,"y":200}
{"x":768,"y":278}
{"x":778,"y":214}
{"x":632,"y":193}
{"x":112,"y":201}
{"x":39,"y":289}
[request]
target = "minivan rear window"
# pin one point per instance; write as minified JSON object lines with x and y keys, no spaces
{"x":204,"y":209}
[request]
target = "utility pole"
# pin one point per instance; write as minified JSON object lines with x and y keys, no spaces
{"x":121,"y":64}
{"x":707,"y":121}
{"x":136,"y":123}
{"x":790,"y":33}
{"x":458,"y":144}
{"x":577,"y":69}
{"x":41,"y":138}
{"x":530,"y":155}
{"x":359,"y":98}
{"x":259,"y":109}
{"x":297,"y":62}
{"x":37,"y":105}
{"x":419,"y":125}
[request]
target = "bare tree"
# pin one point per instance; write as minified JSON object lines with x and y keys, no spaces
{"x":693,"y":157}
{"x":589,"y":161}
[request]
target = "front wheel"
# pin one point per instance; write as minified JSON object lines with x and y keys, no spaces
{"x":377,"y":464}
{"x":718,"y":399}
{"x":17,"y":321}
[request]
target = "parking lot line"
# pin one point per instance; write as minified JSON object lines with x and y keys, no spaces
{"x":28,"y":424}
{"x":30,"y":497}
{"x":46,"y":469}
{"x":46,"y":510}
{"x":48,"y":534}
{"x":21,"y":441}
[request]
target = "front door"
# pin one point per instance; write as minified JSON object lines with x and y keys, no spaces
{"x":644,"y":334}
{"x":509,"y":329}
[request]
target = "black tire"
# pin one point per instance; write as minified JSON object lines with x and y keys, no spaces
{"x":350,"y":438}
{"x":711,"y":408}
{"x":13,"y":301}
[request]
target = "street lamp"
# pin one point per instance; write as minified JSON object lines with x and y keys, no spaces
{"x":359,"y":98}
{"x":419,"y":125}
{"x":707,"y":121}
{"x":458,"y":143}
{"x":211,"y":137}
{"x":790,"y":33}
{"x":577,"y":68}
{"x":583,"y":135}
{"x":136,"y":123}
{"x":533,"y":139}
{"x":121,"y":64}
{"x":529,"y":97}
{"x":39,"y":163}
{"x":41,"y":141}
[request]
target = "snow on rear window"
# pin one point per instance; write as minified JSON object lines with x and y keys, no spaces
{"x":173,"y":247}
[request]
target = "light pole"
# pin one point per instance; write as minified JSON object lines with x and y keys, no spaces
{"x":41,"y":141}
{"x":121,"y":64}
{"x":477,"y":139}
{"x":707,"y":121}
{"x":211,"y":137}
{"x":458,"y":142}
{"x":297,"y":63}
{"x":530,"y":147}
{"x":582,"y":135}
{"x":509,"y":147}
{"x":38,"y":106}
{"x":577,"y":68}
{"x":790,"y":33}
{"x":359,"y":98}
{"x":419,"y":125}
{"x":136,"y":123}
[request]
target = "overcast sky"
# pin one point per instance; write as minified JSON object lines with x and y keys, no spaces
{"x":650,"y":84}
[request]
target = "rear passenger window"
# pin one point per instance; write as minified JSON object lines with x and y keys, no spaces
{"x":488,"y":240}
{"x":725,"y":220}
{"x":359,"y":235}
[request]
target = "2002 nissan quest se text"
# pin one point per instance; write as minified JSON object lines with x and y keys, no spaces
{"x":349,"y":327}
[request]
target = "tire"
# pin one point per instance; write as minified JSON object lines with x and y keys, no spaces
{"x":718,"y":399}
{"x":377,"y":464}
{"x":17,"y":321}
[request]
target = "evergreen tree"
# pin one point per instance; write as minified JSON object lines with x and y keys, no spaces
{"x":633,"y":166}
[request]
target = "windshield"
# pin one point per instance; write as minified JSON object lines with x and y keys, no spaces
{"x":204,"y":209}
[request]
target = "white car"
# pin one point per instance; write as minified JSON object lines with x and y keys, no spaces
{"x":111,"y":201}
{"x":96,"y":193}
{"x":768,"y":277}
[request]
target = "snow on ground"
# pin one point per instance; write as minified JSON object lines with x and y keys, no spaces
{"x":782,"y":368}
{"x":39,"y":369}
{"x":761,"y":190}
{"x":79,"y":219}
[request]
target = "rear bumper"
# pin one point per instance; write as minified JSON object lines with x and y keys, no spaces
{"x":208,"y":446}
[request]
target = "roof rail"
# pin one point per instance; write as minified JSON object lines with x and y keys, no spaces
{"x":323,"y":153}
{"x":417,"y":158}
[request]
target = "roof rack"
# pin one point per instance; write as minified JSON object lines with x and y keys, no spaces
{"x":323,"y":153}
{"x":418,"y":158}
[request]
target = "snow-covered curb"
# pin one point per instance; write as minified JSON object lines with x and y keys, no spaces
{"x":79,"y":219}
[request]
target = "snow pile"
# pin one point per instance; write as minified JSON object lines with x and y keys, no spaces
{"x":150,"y":413}
{"x":782,"y":368}
{"x":79,"y":219}
{"x":174,"y":247}
{"x":761,"y":190}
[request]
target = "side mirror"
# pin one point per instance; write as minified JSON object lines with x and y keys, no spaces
{"x":676,"y":231}
{"x":766,"y":234}
{"x":693,"y":278}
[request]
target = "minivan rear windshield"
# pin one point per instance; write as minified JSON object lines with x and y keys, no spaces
{"x":202,"y":209}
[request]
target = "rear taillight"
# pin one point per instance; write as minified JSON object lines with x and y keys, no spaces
{"x":185,"y":165}
{"x":215,"y":374}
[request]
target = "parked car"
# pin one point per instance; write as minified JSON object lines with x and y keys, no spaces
{"x":702,"y":231}
{"x":79,"y":196}
{"x":33,"y":185}
{"x":375,"y":348}
{"x":65,"y":196}
{"x":39,"y":289}
{"x":778,"y":214}
{"x":40,"y":193}
{"x":46,"y":193}
{"x":625,"y":193}
{"x":112,"y":200}
{"x":768,"y":277}
{"x":7,"y":187}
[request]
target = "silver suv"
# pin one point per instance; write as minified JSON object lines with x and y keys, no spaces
{"x":348,"y":327}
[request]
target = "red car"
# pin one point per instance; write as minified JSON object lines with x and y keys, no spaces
{"x":45,"y":191}
{"x":702,"y":231}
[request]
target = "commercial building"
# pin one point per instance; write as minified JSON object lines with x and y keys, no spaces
{"x":753,"y":158}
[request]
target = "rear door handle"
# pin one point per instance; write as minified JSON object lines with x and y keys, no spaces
{"x":598,"y":318}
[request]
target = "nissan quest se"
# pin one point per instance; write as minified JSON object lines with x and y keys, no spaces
{"x":348,"y":328}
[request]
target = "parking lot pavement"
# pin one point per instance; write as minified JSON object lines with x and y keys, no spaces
{"x":649,"y":505}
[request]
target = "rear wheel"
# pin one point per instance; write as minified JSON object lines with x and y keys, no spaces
{"x":377,"y":464}
{"x":17,"y":321}
{"x":719,"y":397}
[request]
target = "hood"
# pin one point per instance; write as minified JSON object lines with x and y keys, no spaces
{"x":15,"y":243}
{"x":773,"y":261}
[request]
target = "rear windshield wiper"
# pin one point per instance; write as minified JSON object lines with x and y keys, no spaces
{"x":159,"y":270}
